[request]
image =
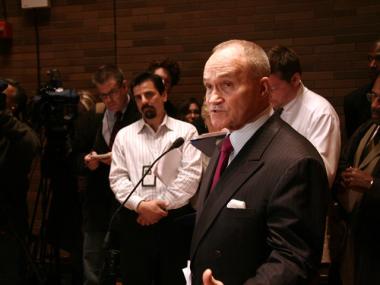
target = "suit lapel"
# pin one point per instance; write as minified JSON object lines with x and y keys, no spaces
{"x":244,"y":165}
{"x":375,"y":152}
{"x":207,"y":179}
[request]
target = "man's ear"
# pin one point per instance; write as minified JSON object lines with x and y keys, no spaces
{"x":296,"y":79}
{"x":264,"y":87}
{"x":124,"y":84}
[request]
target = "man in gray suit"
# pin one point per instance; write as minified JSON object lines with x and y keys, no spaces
{"x":261,"y":219}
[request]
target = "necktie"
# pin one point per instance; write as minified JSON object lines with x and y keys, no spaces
{"x":116,"y":127}
{"x":225,"y":152}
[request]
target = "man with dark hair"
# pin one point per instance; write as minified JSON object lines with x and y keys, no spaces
{"x":170,"y":72}
{"x":18,"y":146}
{"x":357,"y":190}
{"x":99,"y":202}
{"x":307,"y":112}
{"x":262,"y":201}
{"x":357,"y":109}
{"x":155,"y":235}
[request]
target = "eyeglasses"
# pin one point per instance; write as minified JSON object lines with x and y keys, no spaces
{"x":112,"y":93}
{"x":371,"y":96}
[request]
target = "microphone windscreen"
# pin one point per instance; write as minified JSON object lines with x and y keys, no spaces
{"x":177,"y":143}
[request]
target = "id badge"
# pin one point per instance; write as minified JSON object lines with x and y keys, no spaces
{"x":150,"y":179}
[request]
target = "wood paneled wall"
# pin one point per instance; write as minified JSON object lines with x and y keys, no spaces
{"x":332,"y":38}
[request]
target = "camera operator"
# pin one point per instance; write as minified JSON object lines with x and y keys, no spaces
{"x":18,"y":146}
{"x":16,"y":99}
{"x":65,"y":223}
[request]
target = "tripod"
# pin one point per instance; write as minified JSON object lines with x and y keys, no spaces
{"x":53,"y":203}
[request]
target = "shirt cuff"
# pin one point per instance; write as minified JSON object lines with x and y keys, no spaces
{"x":133,"y":202}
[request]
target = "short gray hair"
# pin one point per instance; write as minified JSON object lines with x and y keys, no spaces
{"x":255,"y":56}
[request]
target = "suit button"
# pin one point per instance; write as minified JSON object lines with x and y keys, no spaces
{"x":218,"y":253}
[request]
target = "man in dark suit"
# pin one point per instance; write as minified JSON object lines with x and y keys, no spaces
{"x":99,"y":201}
{"x":263,"y":221}
{"x":357,"y":109}
{"x":357,"y":190}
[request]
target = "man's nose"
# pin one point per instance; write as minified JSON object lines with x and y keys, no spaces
{"x":214,"y":97}
{"x":106,"y":99}
{"x":144,"y":99}
{"x":376,"y":102}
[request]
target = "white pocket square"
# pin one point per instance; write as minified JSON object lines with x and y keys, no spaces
{"x":236,"y":204}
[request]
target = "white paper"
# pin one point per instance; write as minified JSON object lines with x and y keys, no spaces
{"x":207,"y":143}
{"x":102,"y":155}
{"x":187,"y":273}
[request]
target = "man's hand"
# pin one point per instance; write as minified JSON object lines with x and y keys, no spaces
{"x":208,"y":279}
{"x":91,"y":162}
{"x":150,"y":212}
{"x":356,"y":180}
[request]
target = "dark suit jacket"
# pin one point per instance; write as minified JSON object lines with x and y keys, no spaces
{"x":365,"y":221}
{"x":278,"y":238}
{"x":357,"y":109}
{"x":18,"y":146}
{"x":99,"y":200}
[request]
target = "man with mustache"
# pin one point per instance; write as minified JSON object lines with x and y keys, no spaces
{"x":357,"y":190}
{"x":155,"y":233}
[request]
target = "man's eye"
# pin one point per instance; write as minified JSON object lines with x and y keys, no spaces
{"x":149,"y":95}
{"x":227,"y":84}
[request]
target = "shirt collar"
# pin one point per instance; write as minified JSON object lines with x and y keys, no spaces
{"x":166,"y":122}
{"x":296,"y":99}
{"x":240,"y":137}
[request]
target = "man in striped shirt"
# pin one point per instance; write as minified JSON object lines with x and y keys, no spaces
{"x":155,"y":225}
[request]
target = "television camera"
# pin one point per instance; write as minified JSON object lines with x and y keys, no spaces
{"x":54,"y":111}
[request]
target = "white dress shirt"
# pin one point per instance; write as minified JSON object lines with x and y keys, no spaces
{"x":313,"y":117}
{"x":138,"y":145}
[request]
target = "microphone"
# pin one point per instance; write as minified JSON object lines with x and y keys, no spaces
{"x":107,"y":239}
{"x":176,"y":144}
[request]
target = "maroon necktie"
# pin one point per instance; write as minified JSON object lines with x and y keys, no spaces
{"x":116,"y":127}
{"x":225,"y":151}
